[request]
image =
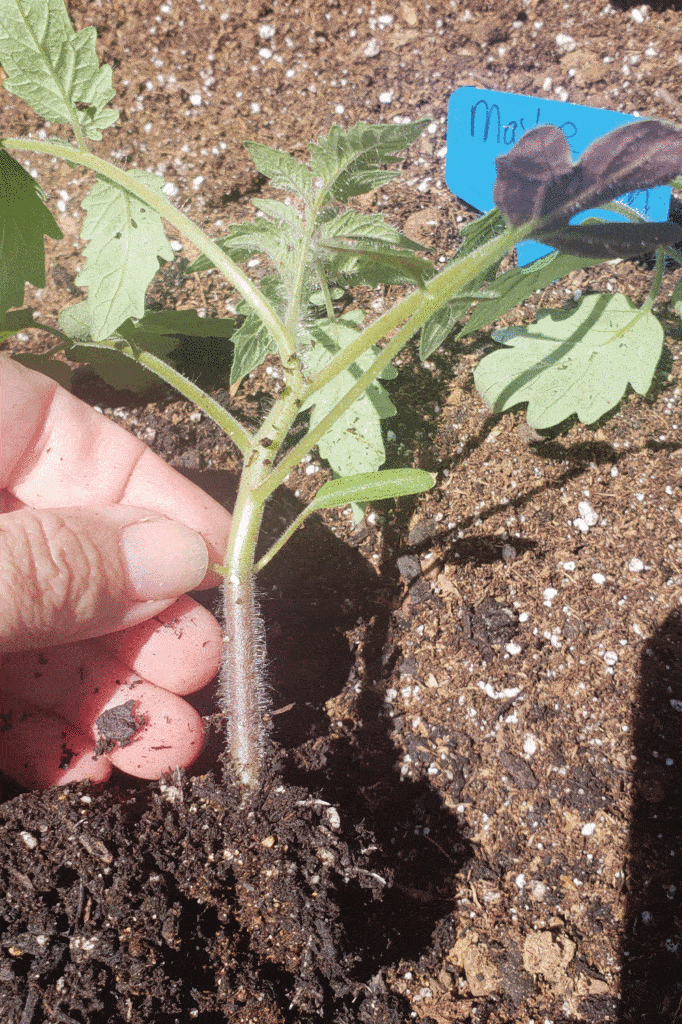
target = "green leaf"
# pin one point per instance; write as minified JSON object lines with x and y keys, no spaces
{"x":24,"y":219}
{"x":127,"y":240}
{"x":318,"y":298}
{"x":474,"y":234}
{"x":579,"y":362}
{"x":53,"y":68}
{"x":278,"y":212}
{"x":157,"y":331}
{"x":115,"y":368}
{"x":252,"y":340}
{"x":14,"y":321}
{"x":353,"y":162}
{"x":283,"y":170}
{"x":516,"y":285}
{"x":355,"y":441}
{"x":380,"y":263}
{"x":243,"y":242}
{"x":247,"y":240}
{"x":54,"y":368}
{"x":252,"y":344}
{"x":676,"y":298}
{"x":370,"y":226}
{"x":386,"y":483}
{"x":106,"y":356}
{"x":376,"y":252}
{"x":437,"y":329}
{"x":184,"y":322}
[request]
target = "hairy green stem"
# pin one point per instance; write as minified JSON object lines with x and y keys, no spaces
{"x":208,"y":405}
{"x":237,"y":278}
{"x":242,"y":669}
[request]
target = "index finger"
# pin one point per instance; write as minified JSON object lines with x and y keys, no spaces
{"x":58,"y":452}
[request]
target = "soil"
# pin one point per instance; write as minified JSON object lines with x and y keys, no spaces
{"x":471,"y":811}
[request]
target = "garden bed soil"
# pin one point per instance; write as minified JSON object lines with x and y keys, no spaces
{"x":471,"y":809}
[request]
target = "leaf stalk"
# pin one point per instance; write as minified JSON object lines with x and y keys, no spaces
{"x":237,"y":278}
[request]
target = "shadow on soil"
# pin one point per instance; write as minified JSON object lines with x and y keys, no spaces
{"x":651,"y":946}
{"x":330,"y":718}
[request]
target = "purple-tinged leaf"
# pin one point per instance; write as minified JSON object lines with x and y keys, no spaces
{"x":538,"y":184}
{"x":608,"y":240}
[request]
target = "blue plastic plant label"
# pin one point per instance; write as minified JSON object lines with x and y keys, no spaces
{"x":482,"y":124}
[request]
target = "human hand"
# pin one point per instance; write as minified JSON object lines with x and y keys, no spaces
{"x":99,"y":541}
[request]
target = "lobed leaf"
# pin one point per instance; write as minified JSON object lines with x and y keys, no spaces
{"x":355,"y":441}
{"x":578,"y":363}
{"x":127,"y":241}
{"x":352,"y":162}
{"x":538,"y":184}
{"x":53,"y":68}
{"x":24,"y":219}
{"x":284,"y":170}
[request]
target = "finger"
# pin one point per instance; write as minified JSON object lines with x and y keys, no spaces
{"x":169,"y":732}
{"x":66,"y":574}
{"x":58,"y":452}
{"x":179,"y":649}
{"x":143,"y":729}
{"x":38,"y":749}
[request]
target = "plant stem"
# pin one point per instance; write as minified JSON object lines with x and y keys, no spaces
{"x":208,"y":405}
{"x":422,"y":304}
{"x":445,"y":286}
{"x":237,"y":278}
{"x":242,"y":669}
{"x":242,"y":672}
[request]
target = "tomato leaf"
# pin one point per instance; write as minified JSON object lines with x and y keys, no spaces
{"x":577,"y":363}
{"x":24,"y":219}
{"x":538,"y":184}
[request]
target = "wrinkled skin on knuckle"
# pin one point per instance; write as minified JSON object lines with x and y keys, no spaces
{"x":55,"y":580}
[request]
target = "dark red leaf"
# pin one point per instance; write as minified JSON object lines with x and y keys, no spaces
{"x":609,"y":240}
{"x":537,"y":181}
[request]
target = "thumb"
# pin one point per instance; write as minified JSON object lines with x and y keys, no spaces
{"x":68,"y":574}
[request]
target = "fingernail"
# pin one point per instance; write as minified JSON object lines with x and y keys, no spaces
{"x":162,"y":559}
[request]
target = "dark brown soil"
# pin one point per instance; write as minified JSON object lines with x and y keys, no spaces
{"x":471,"y":813}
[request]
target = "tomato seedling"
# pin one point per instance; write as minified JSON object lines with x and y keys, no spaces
{"x":317,"y":244}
